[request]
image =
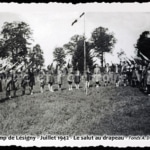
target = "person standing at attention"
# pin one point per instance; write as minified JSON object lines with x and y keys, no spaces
{"x":148,"y":79}
{"x":96,"y":75}
{"x":59,"y":78}
{"x":70,"y":80}
{"x":77,"y":78}
{"x":42,"y":80}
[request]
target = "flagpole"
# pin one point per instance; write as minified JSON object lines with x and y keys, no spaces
{"x":75,"y":21}
{"x":84,"y":48}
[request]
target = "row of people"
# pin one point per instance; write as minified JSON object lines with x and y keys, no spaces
{"x":13,"y":80}
{"x":136,"y":76}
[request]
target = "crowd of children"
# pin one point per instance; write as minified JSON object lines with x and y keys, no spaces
{"x":118,"y":75}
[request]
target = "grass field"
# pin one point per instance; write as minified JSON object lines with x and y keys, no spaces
{"x":107,"y":110}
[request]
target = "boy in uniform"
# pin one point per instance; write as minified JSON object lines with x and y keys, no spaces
{"x":134,"y":77}
{"x":88,"y":77}
{"x":42,"y":80}
{"x":70,"y":80}
{"x":116,"y":75}
{"x":143,"y":78}
{"x":59,"y":78}
{"x":106,"y":77}
{"x":14,"y":82}
{"x":31,"y":80}
{"x":24,"y":81}
{"x":96,"y":75}
{"x":8,"y":84}
{"x":77,"y":79}
{"x":148,"y":79}
{"x":51,"y":80}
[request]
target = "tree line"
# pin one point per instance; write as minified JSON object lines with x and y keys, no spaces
{"x":16,"y":40}
{"x":100,"y":42}
{"x":15,"y":43}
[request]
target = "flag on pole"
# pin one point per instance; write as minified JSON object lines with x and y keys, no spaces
{"x":132,"y":61}
{"x":76,"y":20}
{"x":138,"y":60}
{"x":82,"y":14}
{"x":49,"y":67}
{"x":20,"y":66}
{"x":128,"y":63}
{"x":144,"y":57}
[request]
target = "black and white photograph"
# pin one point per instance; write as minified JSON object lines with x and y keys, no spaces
{"x":75,"y":75}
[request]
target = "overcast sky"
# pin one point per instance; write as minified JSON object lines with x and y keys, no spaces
{"x":51,"y":23}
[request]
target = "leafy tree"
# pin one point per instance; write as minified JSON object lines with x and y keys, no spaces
{"x":36,"y":56}
{"x":78,"y":57}
{"x":15,"y":37}
{"x":121,"y":54}
{"x":3,"y":53}
{"x":102,"y":42}
{"x":71,"y":45}
{"x":59,"y":56}
{"x":143,"y":44}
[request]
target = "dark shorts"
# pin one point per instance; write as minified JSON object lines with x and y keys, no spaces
{"x":97,"y":83}
{"x":77,"y":79}
{"x":51,"y":83}
{"x":88,"y":78}
{"x":77,"y":82}
{"x":70,"y":82}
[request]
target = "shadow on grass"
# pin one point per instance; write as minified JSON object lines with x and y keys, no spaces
{"x":62,"y":89}
{"x":9,"y":99}
{"x":4,"y":99}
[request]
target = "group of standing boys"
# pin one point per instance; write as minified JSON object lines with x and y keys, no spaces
{"x":119,"y":75}
{"x":134,"y":75}
{"x":12,"y":80}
